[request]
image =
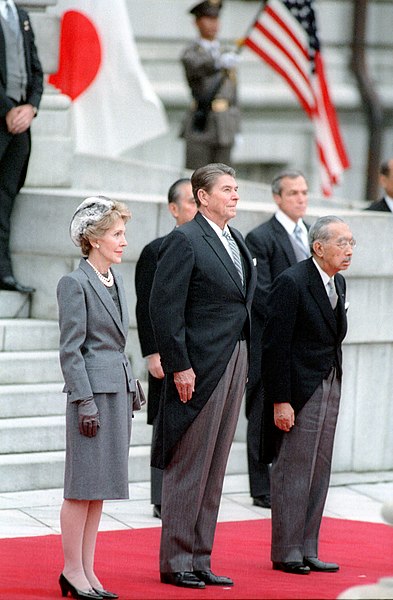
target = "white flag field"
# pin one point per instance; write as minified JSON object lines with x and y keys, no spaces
{"x":114,"y":104}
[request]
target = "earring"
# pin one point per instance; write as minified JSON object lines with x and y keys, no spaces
{"x":98,"y":245}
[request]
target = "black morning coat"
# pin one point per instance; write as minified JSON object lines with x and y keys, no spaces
{"x":199,"y":312}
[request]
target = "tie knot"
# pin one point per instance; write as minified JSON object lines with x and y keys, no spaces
{"x":298,"y":230}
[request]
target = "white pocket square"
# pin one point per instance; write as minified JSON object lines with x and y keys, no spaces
{"x":254,"y":260}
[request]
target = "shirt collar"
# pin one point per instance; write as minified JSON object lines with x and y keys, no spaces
{"x":288,"y":224}
{"x":216,"y":227}
{"x":209,"y":44}
{"x":389,"y":202}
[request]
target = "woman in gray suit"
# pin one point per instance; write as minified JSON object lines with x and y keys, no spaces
{"x":93,"y":319}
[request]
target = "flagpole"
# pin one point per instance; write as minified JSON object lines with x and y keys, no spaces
{"x":240,"y":42}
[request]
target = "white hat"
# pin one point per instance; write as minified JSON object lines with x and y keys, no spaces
{"x":90,"y":211}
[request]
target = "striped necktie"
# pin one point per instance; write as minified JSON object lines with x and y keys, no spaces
{"x":235,"y":254}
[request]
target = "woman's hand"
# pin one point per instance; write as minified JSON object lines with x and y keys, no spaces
{"x":89,"y":419}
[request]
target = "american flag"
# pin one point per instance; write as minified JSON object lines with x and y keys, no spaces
{"x":285,"y":36}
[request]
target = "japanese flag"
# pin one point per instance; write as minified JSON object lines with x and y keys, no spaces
{"x":114,"y":105}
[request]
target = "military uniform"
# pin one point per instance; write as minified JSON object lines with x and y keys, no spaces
{"x":202,"y":64}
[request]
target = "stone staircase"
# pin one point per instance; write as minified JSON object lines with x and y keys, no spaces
{"x":32,"y":406}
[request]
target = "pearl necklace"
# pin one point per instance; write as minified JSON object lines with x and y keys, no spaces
{"x":108,"y":281}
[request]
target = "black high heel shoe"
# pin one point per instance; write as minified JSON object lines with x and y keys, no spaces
{"x":105,"y":593}
{"x":66,"y":587}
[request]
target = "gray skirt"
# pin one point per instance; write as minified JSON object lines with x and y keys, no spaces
{"x":97,"y":468}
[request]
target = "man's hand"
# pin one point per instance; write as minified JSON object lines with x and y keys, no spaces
{"x":154,"y":366}
{"x":19,"y":118}
{"x":185,"y":384}
{"x":284,"y":416}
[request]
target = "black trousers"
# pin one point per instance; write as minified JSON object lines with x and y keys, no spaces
{"x":258,"y":473}
{"x":14,"y":156}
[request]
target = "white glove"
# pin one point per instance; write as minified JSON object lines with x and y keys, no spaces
{"x":228,"y":60}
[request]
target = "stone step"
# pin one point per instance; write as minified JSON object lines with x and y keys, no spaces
{"x":30,"y":367}
{"x":31,"y":400}
{"x":47,"y":434}
{"x":28,"y":334}
{"x":45,"y":470}
{"x":14,"y":305}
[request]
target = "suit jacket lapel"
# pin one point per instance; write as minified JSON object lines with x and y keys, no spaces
{"x":103,"y":294}
{"x":342,"y":315}
{"x":319,"y":294}
{"x":123,"y":302}
{"x":3,"y":68}
{"x":283,"y":240}
{"x":247,"y":259}
{"x":218,"y":247}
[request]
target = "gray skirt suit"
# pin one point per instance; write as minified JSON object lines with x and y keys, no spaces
{"x":93,"y":361}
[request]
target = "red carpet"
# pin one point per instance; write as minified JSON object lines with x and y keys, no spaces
{"x":127,"y":562}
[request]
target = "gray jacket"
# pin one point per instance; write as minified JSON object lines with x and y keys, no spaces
{"x":92,"y":335}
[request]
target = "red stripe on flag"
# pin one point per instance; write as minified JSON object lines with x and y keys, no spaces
{"x":291,"y":82}
{"x":273,"y":43}
{"x":289,"y":32}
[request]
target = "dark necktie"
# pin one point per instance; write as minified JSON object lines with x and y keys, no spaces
{"x":235,"y":254}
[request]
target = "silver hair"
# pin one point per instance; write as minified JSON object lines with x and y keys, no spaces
{"x":319,"y":231}
{"x":90,"y":211}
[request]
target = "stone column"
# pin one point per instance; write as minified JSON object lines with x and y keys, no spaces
{"x":52,"y":144}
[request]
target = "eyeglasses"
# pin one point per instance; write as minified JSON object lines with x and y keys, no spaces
{"x":345,"y":243}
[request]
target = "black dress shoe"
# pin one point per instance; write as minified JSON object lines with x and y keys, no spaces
{"x":157,"y":511}
{"x":9,"y":283}
{"x":295,"y":567}
{"x":105,"y":593}
{"x":317,"y":565}
{"x":182,"y":579}
{"x":210,"y":579}
{"x":262,"y":501}
{"x":66,"y":587}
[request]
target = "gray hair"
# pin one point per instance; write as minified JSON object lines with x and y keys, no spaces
{"x":290,"y":173}
{"x":205,"y":177}
{"x":319,"y":231}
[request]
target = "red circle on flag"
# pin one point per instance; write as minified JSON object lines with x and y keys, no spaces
{"x":80,"y":54}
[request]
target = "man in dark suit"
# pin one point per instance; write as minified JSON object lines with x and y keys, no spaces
{"x":213,"y":120}
{"x":21,"y":86}
{"x":181,"y":205}
{"x":385,"y":204}
{"x":200,"y":308}
{"x":275,"y":246}
{"x":302,"y":369}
